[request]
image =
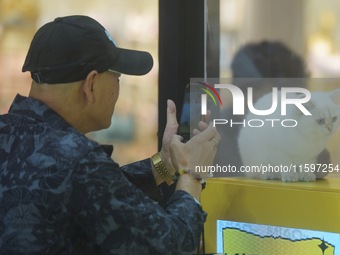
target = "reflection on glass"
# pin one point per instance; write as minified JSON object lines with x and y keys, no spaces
{"x":311,"y":31}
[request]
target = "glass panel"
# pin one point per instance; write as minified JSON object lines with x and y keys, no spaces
{"x":280,"y":39}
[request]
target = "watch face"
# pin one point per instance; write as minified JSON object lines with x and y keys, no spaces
{"x":156,"y":159}
{"x":161,"y":169}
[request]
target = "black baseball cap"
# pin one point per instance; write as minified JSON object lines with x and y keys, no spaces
{"x":68,"y":48}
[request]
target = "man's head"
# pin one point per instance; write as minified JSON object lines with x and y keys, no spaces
{"x":68,"y":48}
{"x":75,"y":65}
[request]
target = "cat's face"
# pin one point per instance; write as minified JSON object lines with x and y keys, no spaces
{"x":325,"y":110}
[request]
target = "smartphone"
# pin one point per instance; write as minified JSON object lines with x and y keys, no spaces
{"x":191,"y":111}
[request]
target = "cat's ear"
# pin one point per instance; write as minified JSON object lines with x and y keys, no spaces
{"x":335,"y":95}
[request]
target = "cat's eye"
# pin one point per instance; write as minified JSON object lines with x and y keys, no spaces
{"x":321,"y":121}
{"x":335,"y":119}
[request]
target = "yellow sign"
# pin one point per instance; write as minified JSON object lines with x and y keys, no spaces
{"x":241,"y":242}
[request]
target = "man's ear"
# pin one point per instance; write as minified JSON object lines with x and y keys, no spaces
{"x":88,"y":86}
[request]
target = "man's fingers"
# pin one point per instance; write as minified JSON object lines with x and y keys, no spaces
{"x":171,"y":113}
{"x":206,"y":117}
{"x":176,"y":139}
{"x":210,"y":132}
{"x":202,"y":125}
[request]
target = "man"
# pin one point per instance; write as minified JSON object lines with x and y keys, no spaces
{"x":61,"y":193}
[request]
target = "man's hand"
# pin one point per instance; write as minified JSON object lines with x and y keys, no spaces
{"x":205,"y":138}
{"x":200,"y":150}
{"x":170,"y":130}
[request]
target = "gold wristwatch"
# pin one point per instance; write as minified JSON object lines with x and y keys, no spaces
{"x":161,"y":168}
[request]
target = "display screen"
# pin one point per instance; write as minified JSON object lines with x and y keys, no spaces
{"x":250,"y":239}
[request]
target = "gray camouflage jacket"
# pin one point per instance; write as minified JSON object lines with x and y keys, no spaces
{"x":60,"y":193}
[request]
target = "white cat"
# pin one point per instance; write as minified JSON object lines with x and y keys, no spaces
{"x":289,"y":148}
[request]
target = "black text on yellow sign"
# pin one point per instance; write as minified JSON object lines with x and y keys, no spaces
{"x":236,"y":241}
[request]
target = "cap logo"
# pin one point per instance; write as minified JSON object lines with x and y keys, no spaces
{"x":110,"y":38}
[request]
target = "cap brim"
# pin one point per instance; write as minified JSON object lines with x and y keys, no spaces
{"x":133,"y":62}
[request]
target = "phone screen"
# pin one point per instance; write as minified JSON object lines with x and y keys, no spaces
{"x":192,"y":107}
{"x":191,"y":111}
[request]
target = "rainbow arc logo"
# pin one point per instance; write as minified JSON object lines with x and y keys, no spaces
{"x":213,"y":94}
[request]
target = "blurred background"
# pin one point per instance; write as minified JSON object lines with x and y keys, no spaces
{"x":133,"y":24}
{"x":309,"y":27}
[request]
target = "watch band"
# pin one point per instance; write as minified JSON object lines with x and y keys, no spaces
{"x":189,"y":172}
{"x":161,"y":168}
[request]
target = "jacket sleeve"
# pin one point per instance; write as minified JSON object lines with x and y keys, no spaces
{"x":121,"y":219}
{"x":140,"y":174}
